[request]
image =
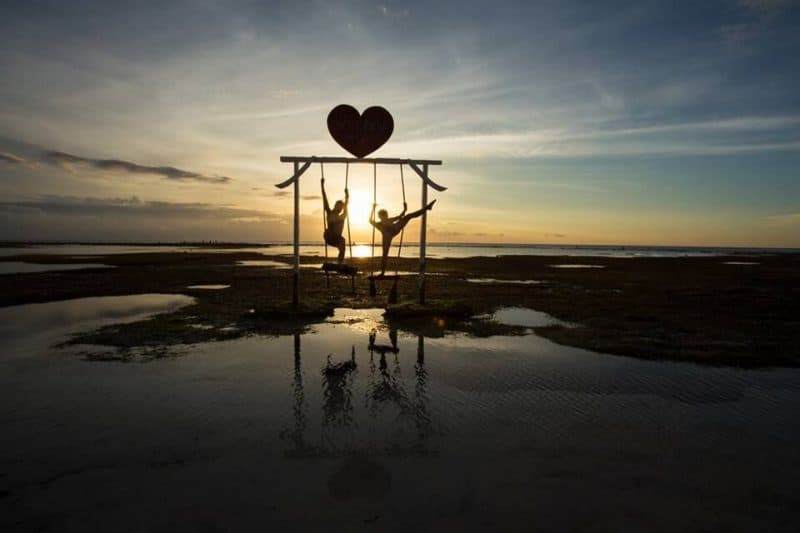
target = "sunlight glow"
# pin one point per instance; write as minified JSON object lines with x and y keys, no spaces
{"x":360,"y":207}
{"x":362,"y":250}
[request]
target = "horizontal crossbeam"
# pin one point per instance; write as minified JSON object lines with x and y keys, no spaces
{"x":413,"y":163}
{"x":356,"y":160}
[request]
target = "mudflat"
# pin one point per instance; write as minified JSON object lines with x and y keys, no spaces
{"x":737,"y":310}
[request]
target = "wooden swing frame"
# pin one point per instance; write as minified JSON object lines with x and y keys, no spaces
{"x":301,"y":164}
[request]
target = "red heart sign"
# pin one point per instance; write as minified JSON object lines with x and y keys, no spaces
{"x":360,"y":134}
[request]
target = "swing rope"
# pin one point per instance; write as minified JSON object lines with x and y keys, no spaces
{"x":402,"y":231}
{"x":324,"y":215}
{"x":347,"y":214}
{"x":374,"y":205}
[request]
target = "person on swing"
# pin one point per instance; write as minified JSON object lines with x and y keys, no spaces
{"x":391,"y":226}
{"x":336,"y":218}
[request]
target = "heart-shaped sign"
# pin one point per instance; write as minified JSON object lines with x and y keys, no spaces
{"x":360,"y":134}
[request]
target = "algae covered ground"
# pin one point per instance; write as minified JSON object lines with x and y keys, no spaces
{"x":735,"y":310}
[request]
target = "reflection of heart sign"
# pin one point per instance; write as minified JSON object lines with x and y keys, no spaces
{"x":360,"y":134}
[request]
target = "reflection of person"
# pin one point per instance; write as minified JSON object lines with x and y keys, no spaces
{"x":391,"y":226}
{"x":335,"y":218}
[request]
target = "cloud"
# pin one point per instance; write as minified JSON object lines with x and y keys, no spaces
{"x":462,"y":235}
{"x":763,"y":7}
{"x":288,"y":194}
{"x":788,"y":219}
{"x":131,"y":218}
{"x":11,"y":159}
{"x":65,"y":160}
{"x":76,"y":206}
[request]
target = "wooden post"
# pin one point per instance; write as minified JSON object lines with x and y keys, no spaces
{"x":423,"y":230}
{"x":296,"y":274}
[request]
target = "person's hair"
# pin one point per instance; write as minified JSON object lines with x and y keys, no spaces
{"x":383,"y":213}
{"x":339,"y":205}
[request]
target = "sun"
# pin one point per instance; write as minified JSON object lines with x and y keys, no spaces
{"x":360,"y":207}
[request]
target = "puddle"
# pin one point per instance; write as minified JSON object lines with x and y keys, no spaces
{"x":33,"y":324}
{"x":363,"y":320}
{"x":576,"y":265}
{"x":208,"y":287}
{"x":741,"y":263}
{"x":522,"y":316}
{"x":263,"y":263}
{"x":19,"y":267}
{"x":493,"y":281}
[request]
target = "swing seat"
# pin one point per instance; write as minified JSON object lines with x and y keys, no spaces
{"x":340,"y":268}
{"x":383,"y":348}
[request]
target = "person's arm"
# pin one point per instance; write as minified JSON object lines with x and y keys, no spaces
{"x":401,"y":215}
{"x":346,"y":202}
{"x":372,"y":216}
{"x":324,"y":196}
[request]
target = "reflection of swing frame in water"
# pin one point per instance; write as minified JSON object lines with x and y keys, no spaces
{"x":419,"y":166}
{"x":338,"y":409}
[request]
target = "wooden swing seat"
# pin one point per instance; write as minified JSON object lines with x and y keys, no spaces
{"x":383,"y":348}
{"x":340,"y":268}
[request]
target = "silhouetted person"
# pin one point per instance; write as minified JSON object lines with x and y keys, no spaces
{"x":391,"y":226}
{"x":336,"y":218}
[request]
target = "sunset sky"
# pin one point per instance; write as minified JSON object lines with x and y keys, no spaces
{"x":674,"y":123}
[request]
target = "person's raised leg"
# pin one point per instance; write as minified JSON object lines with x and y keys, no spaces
{"x":416,"y":213}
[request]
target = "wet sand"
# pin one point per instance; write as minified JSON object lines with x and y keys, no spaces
{"x":702,"y":309}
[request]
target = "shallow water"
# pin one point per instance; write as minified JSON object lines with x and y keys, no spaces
{"x":426,"y":433}
{"x":18,"y":267}
{"x":410,"y":250}
{"x":32,"y":328}
{"x":493,"y":281}
{"x":576,"y":265}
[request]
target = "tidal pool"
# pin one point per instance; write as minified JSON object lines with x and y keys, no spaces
{"x":263,"y":263}
{"x":355,"y":424}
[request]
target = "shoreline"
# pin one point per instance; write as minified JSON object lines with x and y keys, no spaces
{"x":710,"y":310}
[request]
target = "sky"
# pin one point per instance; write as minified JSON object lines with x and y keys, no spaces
{"x":651,"y":123}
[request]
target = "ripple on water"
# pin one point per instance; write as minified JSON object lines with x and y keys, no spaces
{"x":208,"y":287}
